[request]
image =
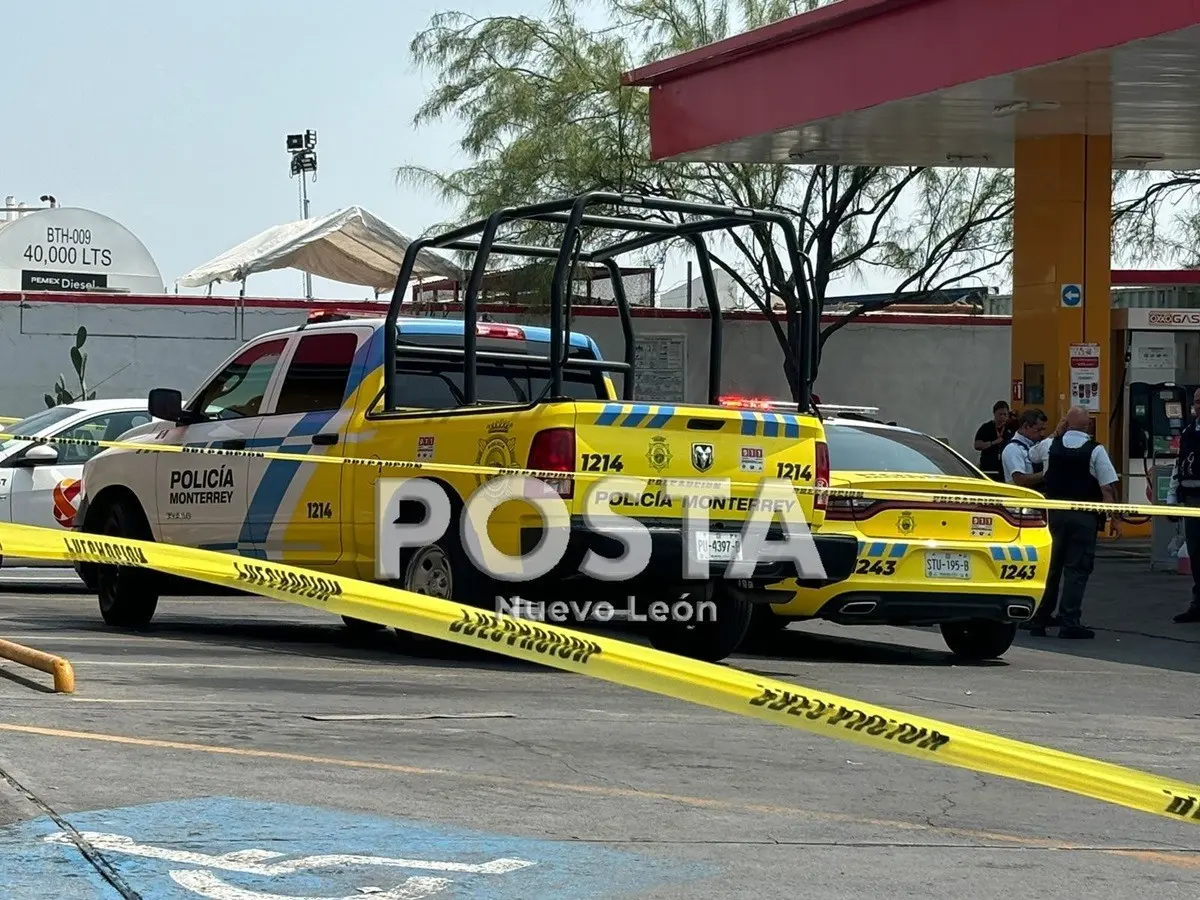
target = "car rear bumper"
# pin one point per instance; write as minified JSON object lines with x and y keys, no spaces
{"x":866,"y":607}
{"x":837,"y":552}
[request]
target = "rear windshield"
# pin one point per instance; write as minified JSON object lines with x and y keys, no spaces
{"x":439,"y":385}
{"x":856,"y":449}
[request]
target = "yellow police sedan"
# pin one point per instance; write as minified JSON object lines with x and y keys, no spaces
{"x":976,"y":571}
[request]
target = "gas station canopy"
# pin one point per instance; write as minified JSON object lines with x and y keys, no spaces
{"x":937,"y":83}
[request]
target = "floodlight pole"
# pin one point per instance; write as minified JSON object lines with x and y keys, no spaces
{"x":304,"y":215}
{"x":303,"y":151}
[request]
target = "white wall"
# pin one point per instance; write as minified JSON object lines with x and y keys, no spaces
{"x":940,"y":378}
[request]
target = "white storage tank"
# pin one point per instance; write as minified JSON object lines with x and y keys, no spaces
{"x":72,"y":249}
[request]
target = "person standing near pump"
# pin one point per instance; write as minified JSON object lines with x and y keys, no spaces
{"x":1076,"y":468}
{"x":1018,"y":467}
{"x":991,"y":437}
{"x":1185,"y":491}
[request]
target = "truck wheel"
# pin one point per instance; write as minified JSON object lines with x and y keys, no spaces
{"x":128,"y":595}
{"x":979,"y":638}
{"x":764,"y":625}
{"x":441,"y":570}
{"x":708,"y":638}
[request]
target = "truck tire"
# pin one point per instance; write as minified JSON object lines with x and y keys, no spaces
{"x":764,"y":625}
{"x":709,"y":640}
{"x":979,"y":639}
{"x":128,"y":595}
{"x":444,"y":571}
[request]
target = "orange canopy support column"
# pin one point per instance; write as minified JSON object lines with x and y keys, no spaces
{"x":1062,"y":263}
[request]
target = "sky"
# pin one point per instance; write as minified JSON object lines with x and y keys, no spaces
{"x":171,"y":118}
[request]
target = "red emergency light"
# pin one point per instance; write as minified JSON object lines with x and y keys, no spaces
{"x":730,"y":402}
{"x":491,"y":329}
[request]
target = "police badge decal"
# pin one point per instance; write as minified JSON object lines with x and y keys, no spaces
{"x":658,"y":454}
{"x":497,"y":449}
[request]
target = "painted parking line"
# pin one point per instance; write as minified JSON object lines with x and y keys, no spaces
{"x":232,"y":849}
{"x":1175,"y":857}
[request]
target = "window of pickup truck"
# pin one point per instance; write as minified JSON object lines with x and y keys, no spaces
{"x":438,"y":385}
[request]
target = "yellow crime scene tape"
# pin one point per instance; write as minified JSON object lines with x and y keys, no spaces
{"x":1033,"y":501}
{"x":9,"y":420}
{"x":632,"y":665}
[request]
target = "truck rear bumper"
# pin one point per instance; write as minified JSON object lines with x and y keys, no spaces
{"x":838,"y":554}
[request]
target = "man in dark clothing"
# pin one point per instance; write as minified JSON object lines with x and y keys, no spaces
{"x":991,"y":438}
{"x":1185,"y":491}
{"x":1076,"y":468}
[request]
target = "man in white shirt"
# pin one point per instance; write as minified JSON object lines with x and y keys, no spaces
{"x":1015,"y":461}
{"x":1074,"y":467}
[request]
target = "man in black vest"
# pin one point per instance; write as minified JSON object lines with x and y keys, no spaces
{"x":1079,"y":469}
{"x":1185,"y":491}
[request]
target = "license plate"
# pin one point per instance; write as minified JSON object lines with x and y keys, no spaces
{"x":948,"y":565}
{"x":717,"y":546}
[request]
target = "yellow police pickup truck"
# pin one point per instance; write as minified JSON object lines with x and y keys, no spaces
{"x":474,"y":393}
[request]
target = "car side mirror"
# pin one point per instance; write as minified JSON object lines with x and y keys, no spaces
{"x":165,"y":404}
{"x":38,"y":455}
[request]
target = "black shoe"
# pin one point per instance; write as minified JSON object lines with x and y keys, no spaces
{"x":1191,"y":615}
{"x":1076,"y":632}
{"x":1037,"y":630}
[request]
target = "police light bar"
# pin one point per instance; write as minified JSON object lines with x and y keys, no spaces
{"x":491,"y":329}
{"x":766,"y":404}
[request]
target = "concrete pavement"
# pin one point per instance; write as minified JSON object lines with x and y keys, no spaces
{"x":235,"y":729}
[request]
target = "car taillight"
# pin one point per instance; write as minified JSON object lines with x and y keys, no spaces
{"x":1026,"y":517}
{"x":847,"y":508}
{"x":821,"y":499}
{"x":553,"y":450}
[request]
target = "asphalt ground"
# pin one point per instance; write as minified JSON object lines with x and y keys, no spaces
{"x":242,"y":748}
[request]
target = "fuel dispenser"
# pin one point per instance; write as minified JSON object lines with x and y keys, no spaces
{"x":1158,"y":357}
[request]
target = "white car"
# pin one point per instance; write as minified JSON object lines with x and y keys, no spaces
{"x":40,"y":484}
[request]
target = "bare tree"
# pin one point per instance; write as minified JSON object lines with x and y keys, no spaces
{"x":545,"y":115}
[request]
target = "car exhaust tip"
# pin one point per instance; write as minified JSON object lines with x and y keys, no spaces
{"x":1019,"y":611}
{"x":858,"y":608}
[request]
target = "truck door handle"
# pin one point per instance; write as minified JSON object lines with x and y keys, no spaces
{"x":234,"y":444}
{"x":326,"y":439}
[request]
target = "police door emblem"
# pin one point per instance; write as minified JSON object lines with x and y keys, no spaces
{"x":659,"y":454}
{"x":907,"y":523}
{"x":496,"y":450}
{"x":702,"y":457}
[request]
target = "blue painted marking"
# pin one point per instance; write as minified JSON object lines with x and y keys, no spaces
{"x":192,"y":834}
{"x":877,"y":549}
{"x":264,"y":505}
{"x":997,"y":553}
{"x":665,"y":414}
{"x":610,"y":414}
{"x":749,"y":425}
{"x":1014,"y":553}
{"x":791,"y":427}
{"x":771,"y":425}
{"x":636,"y":415}
{"x":1031,"y":554}
{"x":861,"y":544}
{"x":898,"y":550}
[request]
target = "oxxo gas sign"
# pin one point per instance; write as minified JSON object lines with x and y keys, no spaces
{"x":66,"y":249}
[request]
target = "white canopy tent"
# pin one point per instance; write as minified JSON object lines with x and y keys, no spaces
{"x":352,"y":246}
